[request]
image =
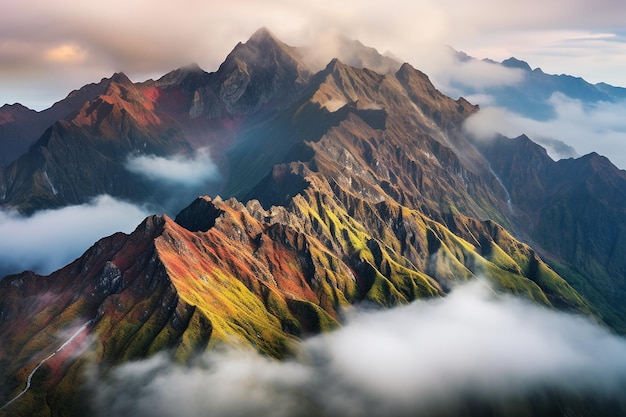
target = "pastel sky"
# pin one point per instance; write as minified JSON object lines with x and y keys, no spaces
{"x":49,"y":48}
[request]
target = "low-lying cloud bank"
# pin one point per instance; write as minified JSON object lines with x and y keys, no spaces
{"x":471,"y":353}
{"x":50,"y":239}
{"x":178,"y":170}
{"x":453,"y":74}
{"x":177,"y":179}
{"x":576,"y":130}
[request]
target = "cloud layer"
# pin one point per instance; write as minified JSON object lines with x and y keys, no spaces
{"x":576,"y":129}
{"x":51,"y":239}
{"x":74,"y":44}
{"x":448,"y":71}
{"x":425,"y":357}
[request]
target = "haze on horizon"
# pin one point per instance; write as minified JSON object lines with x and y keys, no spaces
{"x":48,"y":49}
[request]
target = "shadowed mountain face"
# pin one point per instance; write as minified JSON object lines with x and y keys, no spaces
{"x":20,"y":127}
{"x":574,"y":207}
{"x":341,"y":187}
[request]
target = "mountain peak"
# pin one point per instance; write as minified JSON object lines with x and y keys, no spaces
{"x":260,"y":70}
{"x":262,"y":46}
{"x":12,"y":112}
{"x":598,"y":161}
{"x":407,"y":71}
{"x":15,"y":106}
{"x":516,"y":63}
{"x":120,"y":78}
{"x":261,"y":35}
{"x":335,"y":65}
{"x":181,"y":74}
{"x":193,"y":67}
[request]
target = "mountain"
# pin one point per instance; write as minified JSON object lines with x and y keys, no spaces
{"x":84,"y":156}
{"x":574,"y":207}
{"x":20,"y":126}
{"x":16,"y":128}
{"x":340,"y":187}
{"x":87,"y":154}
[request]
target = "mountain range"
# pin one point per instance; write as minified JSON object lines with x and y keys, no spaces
{"x":530,"y":96}
{"x":351,"y":184}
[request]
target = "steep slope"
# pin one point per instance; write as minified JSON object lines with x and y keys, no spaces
{"x":120,"y":291}
{"x":20,"y":127}
{"x":574,"y":212}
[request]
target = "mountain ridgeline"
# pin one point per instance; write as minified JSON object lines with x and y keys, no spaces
{"x":339,"y":186}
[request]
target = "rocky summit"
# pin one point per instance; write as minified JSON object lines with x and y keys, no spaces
{"x":339,"y":186}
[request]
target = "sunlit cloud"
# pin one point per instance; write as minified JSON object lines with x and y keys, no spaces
{"x":68,"y":54}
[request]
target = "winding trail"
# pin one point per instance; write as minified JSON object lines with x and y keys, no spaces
{"x":47,"y":358}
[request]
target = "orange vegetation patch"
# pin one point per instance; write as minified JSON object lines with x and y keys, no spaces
{"x":208,"y":268}
{"x":152,"y":93}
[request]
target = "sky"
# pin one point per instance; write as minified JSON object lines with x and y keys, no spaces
{"x":50,"y":48}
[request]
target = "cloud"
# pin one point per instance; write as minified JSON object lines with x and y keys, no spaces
{"x":588,"y":38}
{"x":488,"y":123}
{"x":178,"y":179}
{"x":66,"y":54}
{"x":475,"y":74}
{"x":179,"y":170}
{"x":598,"y":127}
{"x":51,"y":239}
{"x":428,"y":356}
